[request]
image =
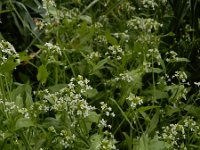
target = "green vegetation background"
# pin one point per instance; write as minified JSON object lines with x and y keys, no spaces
{"x":99,"y":75}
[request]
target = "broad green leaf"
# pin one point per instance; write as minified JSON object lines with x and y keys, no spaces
{"x":93,"y":117}
{"x":49,"y":121}
{"x":57,"y":87}
{"x":23,"y":123}
{"x":90,"y":93}
{"x":19,"y":101}
{"x":86,"y":123}
{"x":143,"y":143}
{"x":95,"y":140}
{"x":29,"y":100}
{"x":42,"y":74}
{"x":8,"y":67}
{"x":158,"y":94}
{"x":146,"y":143}
{"x":156,"y":144}
{"x":193,"y":110}
{"x":22,"y":95}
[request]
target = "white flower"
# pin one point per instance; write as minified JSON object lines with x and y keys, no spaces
{"x":197,"y":83}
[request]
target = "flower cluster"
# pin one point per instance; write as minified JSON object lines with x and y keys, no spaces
{"x":191,"y":125}
{"x":108,"y":142}
{"x":107,"y":110}
{"x":80,"y":82}
{"x":124,"y":77}
{"x":101,"y":39}
{"x":197,"y":83}
{"x":98,"y":25}
{"x":147,"y":25}
{"x":149,"y":39}
{"x":154,"y":53}
{"x":48,"y":4}
{"x":115,"y":52}
{"x":103,"y":124}
{"x":172,"y":56}
{"x":149,"y":4}
{"x":127,"y":7}
{"x":71,"y":14}
{"x":122,"y":36}
{"x":52,"y":49}
{"x":172,"y":134}
{"x":103,"y":19}
{"x":176,"y":134}
{"x":7,"y":51}
{"x":67,"y":138}
{"x":68,"y":99}
{"x":180,"y":75}
{"x":162,"y":81}
{"x":24,"y":112}
{"x":94,"y":55}
{"x":10,"y":107}
{"x":13,"y":109}
{"x":134,"y":101}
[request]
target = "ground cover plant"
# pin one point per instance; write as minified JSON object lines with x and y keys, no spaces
{"x":99,"y":75}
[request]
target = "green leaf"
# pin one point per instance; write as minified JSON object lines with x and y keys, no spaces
{"x":155,"y":144}
{"x":145,"y":108}
{"x":147,"y":143}
{"x":182,"y":60}
{"x":90,"y":93}
{"x":42,"y":74}
{"x":128,"y":140}
{"x":95,"y":139}
{"x":86,"y":123}
{"x":158,"y":94}
{"x":29,"y":100}
{"x":153,"y":123}
{"x":86,"y":19}
{"x":49,"y":121}
{"x":171,"y":110}
{"x":155,"y":70}
{"x":19,"y":101}
{"x":4,"y":11}
{"x":193,"y":110}
{"x":22,"y":95}
{"x":23,"y":123}
{"x":57,"y":87}
{"x":100,"y":64}
{"x":171,"y":34}
{"x":8,"y":67}
{"x":111,"y":39}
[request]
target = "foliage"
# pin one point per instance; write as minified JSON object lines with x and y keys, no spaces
{"x":99,"y":75}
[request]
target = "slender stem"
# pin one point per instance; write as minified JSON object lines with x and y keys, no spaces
{"x":28,"y":146}
{"x":153,"y":77}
